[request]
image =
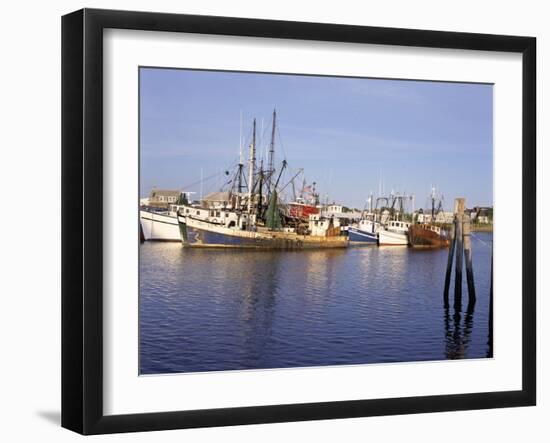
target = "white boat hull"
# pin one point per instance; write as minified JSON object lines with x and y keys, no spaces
{"x":392,"y":238}
{"x":159,"y":227}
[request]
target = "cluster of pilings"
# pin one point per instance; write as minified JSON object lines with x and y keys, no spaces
{"x":461,"y":246}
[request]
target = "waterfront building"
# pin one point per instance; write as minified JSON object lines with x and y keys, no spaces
{"x":162,"y":198}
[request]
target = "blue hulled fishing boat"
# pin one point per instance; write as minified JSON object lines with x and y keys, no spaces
{"x":366,"y":231}
{"x":249,"y":215}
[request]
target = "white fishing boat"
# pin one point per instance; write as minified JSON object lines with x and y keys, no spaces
{"x":395,"y":233}
{"x":159,"y":225}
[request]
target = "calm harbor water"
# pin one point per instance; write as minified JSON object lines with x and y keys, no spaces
{"x":213,"y":310}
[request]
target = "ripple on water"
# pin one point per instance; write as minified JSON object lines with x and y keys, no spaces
{"x":209,"y":310}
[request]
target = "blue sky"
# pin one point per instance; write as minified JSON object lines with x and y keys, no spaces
{"x":346,"y":133}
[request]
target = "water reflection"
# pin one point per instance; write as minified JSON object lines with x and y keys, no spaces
{"x":208,"y":310}
{"x":457,"y":335}
{"x":258,"y":308}
{"x":490,"y":322}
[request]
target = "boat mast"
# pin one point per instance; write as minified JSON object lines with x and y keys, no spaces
{"x":251,"y":167}
{"x":201,"y":185}
{"x":271,"y":158}
{"x":433,"y":203}
{"x":261,"y":184}
{"x":240,"y":172}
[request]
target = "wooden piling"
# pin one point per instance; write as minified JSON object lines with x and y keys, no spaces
{"x":459,"y":216}
{"x":461,"y":247}
{"x":468,"y":257}
{"x":449,"y":266}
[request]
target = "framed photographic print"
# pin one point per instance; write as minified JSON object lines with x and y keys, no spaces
{"x":269,"y":221}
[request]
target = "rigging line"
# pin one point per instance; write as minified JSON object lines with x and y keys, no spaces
{"x":215,"y":186}
{"x":210,"y":177}
{"x":281,"y":141}
{"x":478,"y":239}
{"x":198,"y":181}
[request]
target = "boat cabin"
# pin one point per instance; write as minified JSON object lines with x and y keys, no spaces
{"x":398,"y":226}
{"x":220,"y":217}
{"x":430,"y":227}
{"x":322,"y":226}
{"x":368,"y":225}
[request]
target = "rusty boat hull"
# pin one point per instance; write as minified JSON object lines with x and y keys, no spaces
{"x":428,"y":236}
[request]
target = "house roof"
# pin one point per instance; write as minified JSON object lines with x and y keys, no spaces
{"x":164,"y":192}
{"x":217,"y":197}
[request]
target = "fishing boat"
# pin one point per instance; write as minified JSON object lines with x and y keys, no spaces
{"x":427,"y":235}
{"x":365,"y":231}
{"x":430,"y":234}
{"x":255,"y":218}
{"x":395,"y":231}
{"x":161,"y":223}
{"x":306,"y":204}
{"x":159,"y":226}
{"x":228,"y":233}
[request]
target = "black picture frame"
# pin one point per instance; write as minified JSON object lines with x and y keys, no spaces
{"x":82,"y":216}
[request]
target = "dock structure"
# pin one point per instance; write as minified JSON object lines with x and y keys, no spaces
{"x":461,"y":247}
